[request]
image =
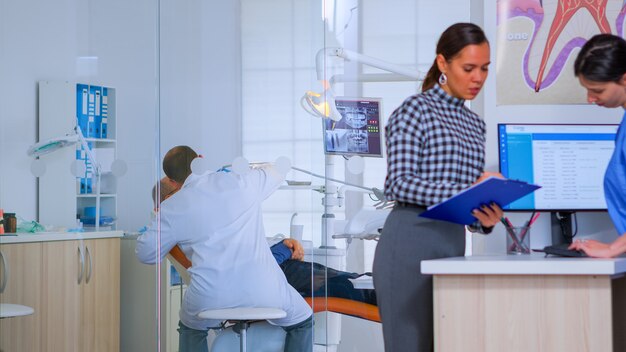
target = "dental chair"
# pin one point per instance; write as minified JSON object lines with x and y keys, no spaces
{"x":344,"y":306}
{"x":250,"y":323}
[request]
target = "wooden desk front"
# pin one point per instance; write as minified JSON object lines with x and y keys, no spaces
{"x":508,"y":303}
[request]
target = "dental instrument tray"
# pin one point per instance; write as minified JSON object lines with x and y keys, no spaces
{"x":298,"y":183}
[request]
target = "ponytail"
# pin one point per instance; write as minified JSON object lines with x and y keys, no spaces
{"x":431,"y":77}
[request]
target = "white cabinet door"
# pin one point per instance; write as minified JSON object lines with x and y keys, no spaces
{"x":63,"y":273}
{"x":101,"y":296}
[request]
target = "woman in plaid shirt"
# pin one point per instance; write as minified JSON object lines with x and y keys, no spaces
{"x":435,"y":148}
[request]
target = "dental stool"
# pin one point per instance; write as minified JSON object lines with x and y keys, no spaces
{"x":242,"y":317}
{"x":8,"y":310}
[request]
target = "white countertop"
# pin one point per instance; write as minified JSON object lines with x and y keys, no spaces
{"x":57,"y":236}
{"x":533,"y":264}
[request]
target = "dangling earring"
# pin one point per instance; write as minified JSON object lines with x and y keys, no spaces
{"x":443,"y":79}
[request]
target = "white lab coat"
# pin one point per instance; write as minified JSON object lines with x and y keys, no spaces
{"x":216,"y":220}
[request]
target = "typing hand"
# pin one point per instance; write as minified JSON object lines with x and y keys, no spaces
{"x":297,"y":251}
{"x":593,"y":248}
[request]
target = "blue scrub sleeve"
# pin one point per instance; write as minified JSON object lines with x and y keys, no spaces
{"x":280,"y":252}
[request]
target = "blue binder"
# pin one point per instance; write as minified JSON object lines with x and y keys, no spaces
{"x":82,"y":97}
{"x":458,"y":208}
{"x":104,"y":106}
{"x":95,"y":100}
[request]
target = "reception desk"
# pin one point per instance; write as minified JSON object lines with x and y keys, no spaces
{"x":528,"y":303}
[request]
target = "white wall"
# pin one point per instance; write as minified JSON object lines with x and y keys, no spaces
{"x":40,"y":40}
{"x":30,"y":32}
{"x":201,"y":78}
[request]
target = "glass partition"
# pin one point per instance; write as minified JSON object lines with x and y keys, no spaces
{"x":322,"y":52}
{"x":108,"y":88}
{"x":79,"y":83}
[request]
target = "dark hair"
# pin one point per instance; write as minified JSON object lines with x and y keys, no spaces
{"x":177,"y":163}
{"x":602,"y":59}
{"x":454,"y":39}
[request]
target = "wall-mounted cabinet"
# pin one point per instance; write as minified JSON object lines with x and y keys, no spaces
{"x":65,"y":196}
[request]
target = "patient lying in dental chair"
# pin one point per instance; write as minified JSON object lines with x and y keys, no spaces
{"x":316,"y":280}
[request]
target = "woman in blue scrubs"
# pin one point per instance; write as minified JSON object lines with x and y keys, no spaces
{"x":601,"y":69}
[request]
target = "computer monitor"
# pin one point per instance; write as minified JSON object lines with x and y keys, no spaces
{"x":358,"y":132}
{"x":567,"y":160}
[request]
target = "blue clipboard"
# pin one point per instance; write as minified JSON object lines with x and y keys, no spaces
{"x":458,"y":208}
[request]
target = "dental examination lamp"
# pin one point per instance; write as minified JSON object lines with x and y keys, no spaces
{"x":323,"y":105}
{"x":38,"y":166}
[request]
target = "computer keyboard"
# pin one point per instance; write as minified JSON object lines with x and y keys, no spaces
{"x":562,"y":251}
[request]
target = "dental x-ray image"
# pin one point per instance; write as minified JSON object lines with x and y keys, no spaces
{"x":358,"y":132}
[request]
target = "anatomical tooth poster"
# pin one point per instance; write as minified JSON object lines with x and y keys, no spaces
{"x":537,"y":43}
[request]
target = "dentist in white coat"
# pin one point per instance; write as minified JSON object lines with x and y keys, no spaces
{"x":216,"y":220}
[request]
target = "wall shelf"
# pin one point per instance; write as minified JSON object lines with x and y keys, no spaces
{"x":63,"y":105}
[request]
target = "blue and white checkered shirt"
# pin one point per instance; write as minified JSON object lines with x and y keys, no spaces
{"x":435,"y":148}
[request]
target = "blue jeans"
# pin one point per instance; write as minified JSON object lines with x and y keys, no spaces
{"x":191,"y":340}
{"x":299,"y":338}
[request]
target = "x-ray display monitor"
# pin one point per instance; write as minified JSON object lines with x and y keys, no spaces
{"x":358,"y":132}
{"x":567,"y":160}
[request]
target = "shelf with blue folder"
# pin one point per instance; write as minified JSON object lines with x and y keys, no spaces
{"x":64,"y":105}
{"x":95,"y":113}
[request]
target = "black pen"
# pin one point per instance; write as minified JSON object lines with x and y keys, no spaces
{"x":511,"y":232}
{"x":528,"y":224}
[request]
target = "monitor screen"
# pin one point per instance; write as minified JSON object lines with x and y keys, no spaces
{"x":358,"y":132}
{"x":567,"y":160}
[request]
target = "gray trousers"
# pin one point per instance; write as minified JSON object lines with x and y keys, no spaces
{"x":299,"y":338}
{"x":404,"y":295}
